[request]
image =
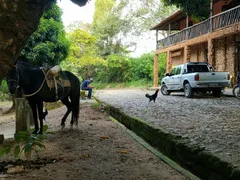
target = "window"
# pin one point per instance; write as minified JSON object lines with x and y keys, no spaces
{"x":173,"y":72}
{"x":178,"y":70}
{"x":197,"y":68}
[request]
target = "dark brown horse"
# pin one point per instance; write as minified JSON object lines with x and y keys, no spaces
{"x":32,"y":82}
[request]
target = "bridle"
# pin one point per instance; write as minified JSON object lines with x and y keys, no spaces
{"x":17,"y":82}
{"x":14,"y":80}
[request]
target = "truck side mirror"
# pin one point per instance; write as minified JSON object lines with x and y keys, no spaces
{"x":185,"y":71}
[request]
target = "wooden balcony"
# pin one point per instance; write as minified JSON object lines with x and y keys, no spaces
{"x":219,"y":21}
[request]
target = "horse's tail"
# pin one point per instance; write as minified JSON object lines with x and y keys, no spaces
{"x":76,"y":107}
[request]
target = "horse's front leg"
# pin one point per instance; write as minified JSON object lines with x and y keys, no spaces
{"x":34,"y":112}
{"x":40,"y":115}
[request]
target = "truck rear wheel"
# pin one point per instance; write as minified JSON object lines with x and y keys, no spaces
{"x":164,"y":90}
{"x":188,"y":91}
{"x":217,"y":93}
{"x":236,"y":91}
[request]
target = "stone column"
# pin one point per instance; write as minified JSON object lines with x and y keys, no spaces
{"x":155,"y":68}
{"x":169,"y":61}
{"x":211,"y":52}
{"x":187,"y":54}
{"x":230,"y":60}
{"x":23,"y":115}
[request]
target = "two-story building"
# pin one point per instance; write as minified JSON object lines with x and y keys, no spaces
{"x":215,"y":40}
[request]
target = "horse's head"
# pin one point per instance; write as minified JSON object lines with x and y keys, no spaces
{"x":13,"y":79}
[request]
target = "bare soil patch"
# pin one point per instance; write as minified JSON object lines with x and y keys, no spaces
{"x":97,"y":149}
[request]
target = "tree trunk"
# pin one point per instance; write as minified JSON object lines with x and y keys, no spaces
{"x":18,"y":20}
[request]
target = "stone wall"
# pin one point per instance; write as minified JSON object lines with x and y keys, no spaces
{"x":220,"y":50}
{"x":231,"y":58}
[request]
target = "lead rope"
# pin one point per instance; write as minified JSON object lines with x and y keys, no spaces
{"x":29,"y":95}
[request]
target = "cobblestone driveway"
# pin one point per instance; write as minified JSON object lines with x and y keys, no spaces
{"x":212,"y":123}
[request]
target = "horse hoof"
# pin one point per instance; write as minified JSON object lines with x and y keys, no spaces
{"x":34,"y":132}
{"x":62,"y":126}
{"x":71,"y":126}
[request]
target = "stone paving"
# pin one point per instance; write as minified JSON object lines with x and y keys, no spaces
{"x":211,"y":123}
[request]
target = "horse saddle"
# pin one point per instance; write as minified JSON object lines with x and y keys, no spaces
{"x":55,"y":78}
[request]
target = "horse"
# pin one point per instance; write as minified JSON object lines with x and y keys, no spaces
{"x":31,"y":81}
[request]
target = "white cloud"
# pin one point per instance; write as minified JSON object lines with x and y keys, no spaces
{"x":73,"y":12}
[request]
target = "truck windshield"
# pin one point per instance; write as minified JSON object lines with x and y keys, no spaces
{"x":197,"y":68}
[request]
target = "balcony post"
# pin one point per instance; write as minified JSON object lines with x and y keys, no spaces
{"x":169,"y":29}
{"x":211,"y":14}
{"x":155,"y":67}
{"x":169,"y":62}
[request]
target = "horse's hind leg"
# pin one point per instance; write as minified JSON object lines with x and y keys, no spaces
{"x":40,"y":115}
{"x":66,"y":102}
{"x":34,"y":112}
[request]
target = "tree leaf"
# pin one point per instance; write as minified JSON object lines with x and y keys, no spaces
{"x":16,"y":151}
{"x":39,"y":144}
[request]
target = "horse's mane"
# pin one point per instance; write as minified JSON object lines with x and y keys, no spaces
{"x":24,"y":64}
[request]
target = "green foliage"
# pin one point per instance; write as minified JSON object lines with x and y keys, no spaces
{"x":4,"y":87}
{"x":162,"y":62}
{"x":48,"y":45}
{"x":96,"y":105}
{"x":142,"y":67}
{"x":101,"y":8}
{"x":117,"y":68}
{"x":26,"y":143}
{"x":121,"y":69}
{"x":200,"y":9}
{"x":82,"y":58}
{"x":142,"y":15}
{"x":4,"y":95}
{"x":110,"y":29}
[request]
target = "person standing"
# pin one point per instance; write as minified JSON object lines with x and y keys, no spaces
{"x":86,"y":86}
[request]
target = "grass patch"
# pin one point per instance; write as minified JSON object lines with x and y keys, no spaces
{"x":53,"y":105}
{"x":96,"y":105}
{"x":131,"y":84}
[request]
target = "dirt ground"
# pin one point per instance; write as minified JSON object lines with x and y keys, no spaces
{"x":97,"y":149}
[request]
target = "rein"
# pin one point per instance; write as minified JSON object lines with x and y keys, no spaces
{"x":29,"y":95}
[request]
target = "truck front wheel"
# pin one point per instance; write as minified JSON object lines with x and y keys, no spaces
{"x":188,"y":91}
{"x":164,"y":90}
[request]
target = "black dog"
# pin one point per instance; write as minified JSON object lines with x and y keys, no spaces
{"x":152,"y":97}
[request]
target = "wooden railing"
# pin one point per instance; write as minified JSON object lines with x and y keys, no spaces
{"x":218,"y":21}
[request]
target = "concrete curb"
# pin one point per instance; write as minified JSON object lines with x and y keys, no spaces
{"x":197,"y":160}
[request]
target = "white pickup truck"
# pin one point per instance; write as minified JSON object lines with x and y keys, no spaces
{"x":195,"y":77}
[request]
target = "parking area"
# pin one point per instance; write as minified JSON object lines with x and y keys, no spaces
{"x":211,"y":123}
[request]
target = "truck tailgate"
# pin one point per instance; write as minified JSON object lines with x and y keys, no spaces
{"x":213,"y":76}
